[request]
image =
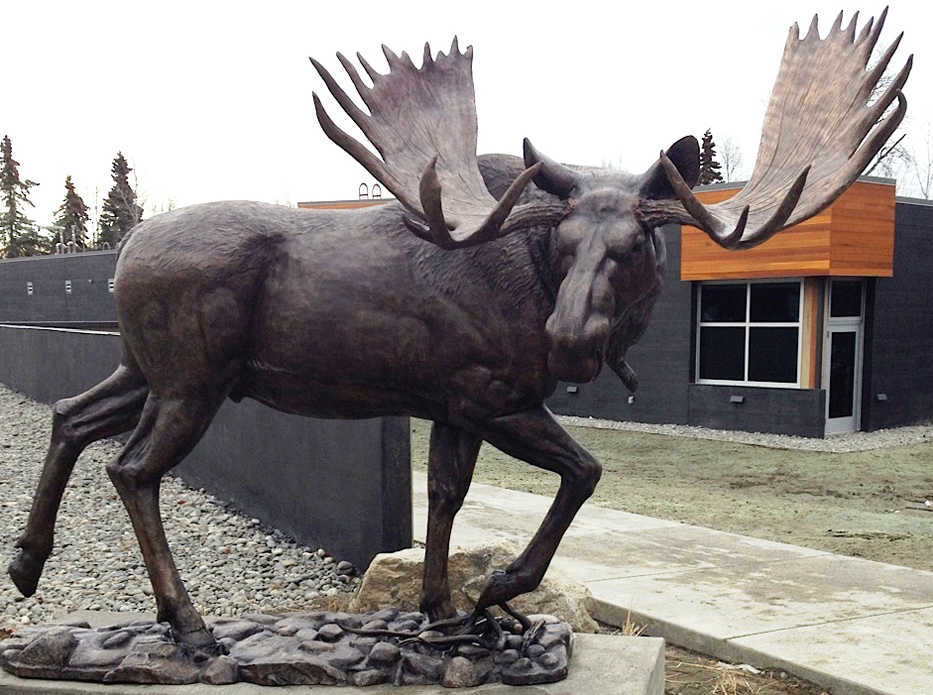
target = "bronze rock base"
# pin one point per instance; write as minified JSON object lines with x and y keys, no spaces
{"x":387,"y":646}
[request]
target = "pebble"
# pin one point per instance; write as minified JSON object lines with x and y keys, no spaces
{"x":96,"y":563}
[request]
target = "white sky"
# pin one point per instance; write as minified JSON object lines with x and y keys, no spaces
{"x":212,"y":100}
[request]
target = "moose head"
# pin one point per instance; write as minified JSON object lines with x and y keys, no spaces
{"x":607,"y":256}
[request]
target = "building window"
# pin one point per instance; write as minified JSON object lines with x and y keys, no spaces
{"x":749,"y":333}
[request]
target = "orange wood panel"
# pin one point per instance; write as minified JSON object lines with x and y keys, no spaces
{"x":342,"y":204}
{"x":810,"y":333}
{"x":853,"y":237}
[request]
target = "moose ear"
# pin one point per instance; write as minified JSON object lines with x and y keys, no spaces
{"x":551,"y":177}
{"x":685,"y":154}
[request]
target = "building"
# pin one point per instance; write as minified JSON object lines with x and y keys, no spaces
{"x":825,"y":328}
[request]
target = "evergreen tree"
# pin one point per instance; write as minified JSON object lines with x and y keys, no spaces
{"x":19,"y":236}
{"x":709,"y":167}
{"x":72,"y":216}
{"x":120,"y":213}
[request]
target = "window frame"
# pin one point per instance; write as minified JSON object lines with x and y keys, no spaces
{"x":748,"y":324}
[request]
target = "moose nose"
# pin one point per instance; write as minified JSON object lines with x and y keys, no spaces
{"x":576,"y":354}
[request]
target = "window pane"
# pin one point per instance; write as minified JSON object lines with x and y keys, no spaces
{"x":722,"y":353}
{"x":841,"y":373}
{"x":722,"y":303}
{"x":772,"y":355}
{"x":845,"y":298}
{"x":775,"y":301}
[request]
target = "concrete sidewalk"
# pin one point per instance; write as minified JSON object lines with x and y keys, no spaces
{"x":852,"y":625}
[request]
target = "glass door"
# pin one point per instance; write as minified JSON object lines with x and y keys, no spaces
{"x":842,"y":356}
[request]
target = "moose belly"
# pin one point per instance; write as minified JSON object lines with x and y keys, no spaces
{"x":470,"y":394}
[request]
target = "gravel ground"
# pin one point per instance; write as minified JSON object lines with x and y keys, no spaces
{"x":231,"y":563}
{"x":853,"y":441}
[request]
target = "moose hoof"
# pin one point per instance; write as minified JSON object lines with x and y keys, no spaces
{"x":500,"y":588}
{"x":25,"y":569}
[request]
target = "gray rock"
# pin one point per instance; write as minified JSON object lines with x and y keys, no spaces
{"x":221,"y":671}
{"x":49,"y":651}
{"x":384,"y":653}
{"x":368,"y":677}
{"x":429,"y":667}
{"x":460,"y":673}
{"x":330,"y":632}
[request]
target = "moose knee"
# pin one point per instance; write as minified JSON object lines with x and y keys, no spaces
{"x":62,"y":424}
{"x":587,"y":473}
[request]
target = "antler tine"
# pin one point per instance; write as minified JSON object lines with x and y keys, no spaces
{"x":372,"y":163}
{"x":430,"y":192}
{"x":866,"y":30}
{"x":877,"y":137}
{"x":438,"y":230}
{"x":873,"y":35}
{"x":837,"y":25}
{"x":877,"y":109}
{"x":813,"y":33}
{"x":780,"y":216}
{"x":346,"y":103}
{"x":391,"y":58}
{"x":710,"y":224}
{"x":878,"y":70}
{"x":374,"y":74}
{"x":364,"y":91}
{"x":850,"y":30}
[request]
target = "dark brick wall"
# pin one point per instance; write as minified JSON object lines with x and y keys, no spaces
{"x":292,"y":472}
{"x":661,"y":358}
{"x":899,"y":335}
{"x":89,"y":301}
{"x":780,"y":411}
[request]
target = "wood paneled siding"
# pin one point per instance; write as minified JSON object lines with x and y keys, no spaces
{"x":853,"y":237}
{"x":343,"y":204}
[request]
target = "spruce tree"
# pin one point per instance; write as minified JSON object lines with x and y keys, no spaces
{"x":72,"y":216}
{"x":19,"y":235}
{"x":709,"y":167}
{"x":120,"y":213}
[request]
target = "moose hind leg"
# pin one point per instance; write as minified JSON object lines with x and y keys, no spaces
{"x":536,"y":437}
{"x":168,"y":429}
{"x":451,"y":460}
{"x":111,"y":407}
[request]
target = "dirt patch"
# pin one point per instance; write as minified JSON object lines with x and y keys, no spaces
{"x":868,"y":504}
{"x":689,"y":673}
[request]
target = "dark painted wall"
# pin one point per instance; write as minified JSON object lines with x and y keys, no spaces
{"x":899,"y":335}
{"x":661,"y":358}
{"x":89,"y":301}
{"x":780,"y":411}
{"x":342,"y":485}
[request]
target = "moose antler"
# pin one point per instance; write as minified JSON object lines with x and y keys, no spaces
{"x":422,"y":121}
{"x":820,"y":131}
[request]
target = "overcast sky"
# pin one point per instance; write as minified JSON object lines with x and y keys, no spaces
{"x":212,"y":101}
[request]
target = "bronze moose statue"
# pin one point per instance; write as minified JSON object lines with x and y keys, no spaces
{"x":464,"y":302}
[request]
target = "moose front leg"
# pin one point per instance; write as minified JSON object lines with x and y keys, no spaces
{"x":536,"y":437}
{"x":451,"y":460}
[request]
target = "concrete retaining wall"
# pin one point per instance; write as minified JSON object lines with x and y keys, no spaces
{"x":342,"y":485}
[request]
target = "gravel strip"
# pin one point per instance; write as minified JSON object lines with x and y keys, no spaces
{"x":232,"y":564}
{"x":854,"y":441}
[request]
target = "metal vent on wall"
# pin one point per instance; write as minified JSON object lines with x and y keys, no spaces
{"x":67,"y":286}
{"x":28,"y":289}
